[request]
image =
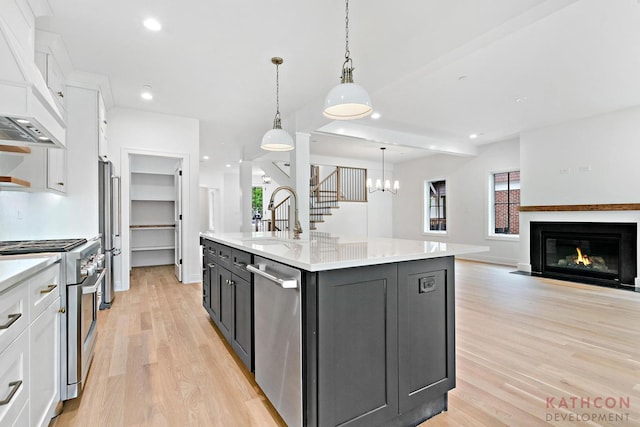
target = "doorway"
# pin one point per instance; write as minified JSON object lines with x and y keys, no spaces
{"x":155,"y":211}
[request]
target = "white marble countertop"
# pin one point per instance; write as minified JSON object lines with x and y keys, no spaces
{"x":320,"y":251}
{"x":14,"y":268}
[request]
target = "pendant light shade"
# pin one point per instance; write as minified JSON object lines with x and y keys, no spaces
{"x":277,"y":139}
{"x":348,"y":100}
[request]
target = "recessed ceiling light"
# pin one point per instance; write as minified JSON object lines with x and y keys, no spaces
{"x":205,"y":157}
{"x":146,"y":93}
{"x":23,"y":121}
{"x":376,"y":116}
{"x":152,"y":24}
{"x":473,"y":136}
{"x":227,"y":165}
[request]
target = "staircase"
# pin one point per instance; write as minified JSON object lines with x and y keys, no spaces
{"x":343,"y":184}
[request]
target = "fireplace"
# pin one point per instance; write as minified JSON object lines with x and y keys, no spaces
{"x":600,"y":253}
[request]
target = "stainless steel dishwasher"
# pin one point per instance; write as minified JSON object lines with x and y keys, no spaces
{"x":278,"y":344}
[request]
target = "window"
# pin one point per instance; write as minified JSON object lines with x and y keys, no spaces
{"x":256,"y":203}
{"x":436,"y":206}
{"x":506,"y":201}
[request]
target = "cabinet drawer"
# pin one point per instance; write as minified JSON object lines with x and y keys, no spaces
{"x":14,"y":380}
{"x":211,"y":251}
{"x":224,"y":255}
{"x":14,"y":314}
{"x":239,"y":261}
{"x":44,"y":288}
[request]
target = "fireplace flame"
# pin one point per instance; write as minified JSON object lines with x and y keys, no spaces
{"x":582,"y":259}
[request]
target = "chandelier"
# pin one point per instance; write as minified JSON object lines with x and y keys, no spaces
{"x":383,"y":184}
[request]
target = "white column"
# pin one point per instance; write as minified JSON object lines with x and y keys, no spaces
{"x":300,"y":164}
{"x":245,"y":195}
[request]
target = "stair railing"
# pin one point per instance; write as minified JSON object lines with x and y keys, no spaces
{"x":280,"y":215}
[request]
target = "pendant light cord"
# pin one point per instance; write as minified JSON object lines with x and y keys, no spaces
{"x":382,"y":168}
{"x":347,"y":53}
{"x":277,"y":89}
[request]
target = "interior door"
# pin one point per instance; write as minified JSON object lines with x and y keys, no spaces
{"x":178,"y":223}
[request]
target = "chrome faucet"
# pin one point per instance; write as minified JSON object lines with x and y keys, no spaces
{"x":297,"y":229}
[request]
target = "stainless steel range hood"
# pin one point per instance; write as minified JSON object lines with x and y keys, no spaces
{"x":28,"y":113}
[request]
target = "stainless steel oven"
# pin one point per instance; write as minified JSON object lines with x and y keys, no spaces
{"x":85,"y":275}
{"x":82,"y":332}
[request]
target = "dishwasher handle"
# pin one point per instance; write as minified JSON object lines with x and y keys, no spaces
{"x":260,"y":270}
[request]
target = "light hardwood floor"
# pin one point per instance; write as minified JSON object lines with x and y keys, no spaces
{"x":523,"y":344}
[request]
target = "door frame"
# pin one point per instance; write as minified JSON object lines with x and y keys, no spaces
{"x":125,"y":173}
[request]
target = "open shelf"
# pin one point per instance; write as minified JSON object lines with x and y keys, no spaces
{"x":152,"y":248}
{"x":11,"y":181}
{"x":15,"y":149}
{"x":152,"y":227}
{"x":143,"y":258}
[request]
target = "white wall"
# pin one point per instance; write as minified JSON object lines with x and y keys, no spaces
{"x":468,"y":180}
{"x":140,"y":132}
{"x":587,"y":161}
{"x":26,"y":216}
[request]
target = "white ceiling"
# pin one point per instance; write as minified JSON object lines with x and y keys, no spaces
{"x":436,"y":70}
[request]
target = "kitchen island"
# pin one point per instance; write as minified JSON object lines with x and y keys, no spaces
{"x":360,"y":331}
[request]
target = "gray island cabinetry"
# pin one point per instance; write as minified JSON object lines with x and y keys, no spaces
{"x":377,"y":323}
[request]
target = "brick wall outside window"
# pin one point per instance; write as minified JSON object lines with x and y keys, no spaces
{"x":506,"y":202}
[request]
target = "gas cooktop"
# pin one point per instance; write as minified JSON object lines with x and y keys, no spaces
{"x":32,"y":246}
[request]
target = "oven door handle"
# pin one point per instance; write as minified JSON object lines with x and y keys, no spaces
{"x":94,"y":288}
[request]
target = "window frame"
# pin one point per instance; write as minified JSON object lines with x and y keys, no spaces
{"x":491,"y":223}
{"x":426,"y":206}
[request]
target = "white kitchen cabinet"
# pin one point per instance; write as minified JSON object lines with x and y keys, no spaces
{"x":57,"y":170}
{"x":102,"y":129}
{"x":53,"y":77}
{"x":44,"y":364}
{"x":14,"y":378}
{"x":30,"y":349}
{"x":45,"y":169}
{"x":87,"y":118}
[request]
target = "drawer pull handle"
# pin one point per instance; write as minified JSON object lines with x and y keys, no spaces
{"x":49,"y":288}
{"x":223,"y":256}
{"x":12,"y":320}
{"x":239,"y":264}
{"x":211,"y":265}
{"x":15,"y":386}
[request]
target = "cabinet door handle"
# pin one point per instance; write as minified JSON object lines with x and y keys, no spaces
{"x":211,"y":265}
{"x":60,"y":94}
{"x":12,"y":320}
{"x":223,"y":256}
{"x":48,"y":289}
{"x":15,"y":385}
{"x":60,"y":184}
{"x":231,"y":282}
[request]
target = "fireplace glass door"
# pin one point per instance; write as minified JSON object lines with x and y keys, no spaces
{"x":597,"y":257}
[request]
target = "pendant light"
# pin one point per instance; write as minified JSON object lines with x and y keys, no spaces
{"x":383,"y":184}
{"x":347,"y":100}
{"x":277,"y":139}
